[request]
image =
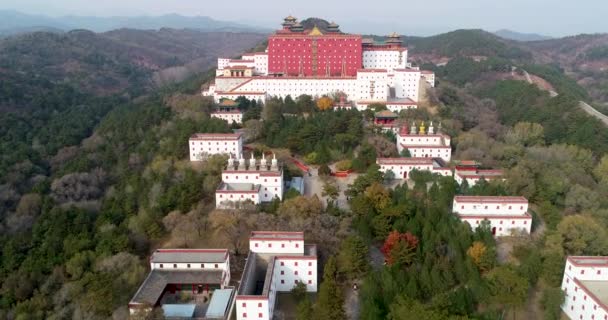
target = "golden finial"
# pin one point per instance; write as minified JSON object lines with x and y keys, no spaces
{"x":422,"y":129}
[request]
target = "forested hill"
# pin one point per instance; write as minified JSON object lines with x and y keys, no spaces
{"x":108,"y":63}
{"x":466,"y":43}
{"x":54,"y":88}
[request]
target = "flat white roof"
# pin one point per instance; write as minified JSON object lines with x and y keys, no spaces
{"x":490,"y":199}
{"x":215,"y":136}
{"x":599,"y":290}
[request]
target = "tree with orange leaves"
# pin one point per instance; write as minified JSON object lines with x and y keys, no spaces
{"x":399,"y":248}
{"x":325,"y":103}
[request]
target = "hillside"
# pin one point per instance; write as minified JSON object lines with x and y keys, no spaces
{"x":55,"y":88}
{"x":16,"y":22}
{"x":583,"y":57}
{"x":108,"y":63}
{"x":519,"y":36}
{"x":470,"y":43}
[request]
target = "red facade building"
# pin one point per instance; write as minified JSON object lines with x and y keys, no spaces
{"x":294,"y":51}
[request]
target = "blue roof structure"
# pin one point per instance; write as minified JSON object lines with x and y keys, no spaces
{"x":179,"y":310}
{"x":298,"y":184}
{"x":220,"y":301}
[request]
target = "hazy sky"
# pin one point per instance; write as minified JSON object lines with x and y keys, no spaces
{"x":421,"y":17}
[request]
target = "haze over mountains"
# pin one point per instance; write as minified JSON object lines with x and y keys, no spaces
{"x":14,"y":22}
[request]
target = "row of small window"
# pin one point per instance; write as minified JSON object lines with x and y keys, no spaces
{"x":297,"y":245}
{"x":408,"y":168}
{"x":242,"y":196}
{"x":216,"y":149}
{"x":295,"y":281}
{"x":257,"y":177}
{"x":497,"y":207}
{"x":592,"y":316}
{"x":210,"y":143}
{"x":295,"y":273}
{"x":582,"y":272}
{"x":162,"y":266}
{"x":512,"y":222}
{"x":295,"y":264}
{"x":425,"y":139}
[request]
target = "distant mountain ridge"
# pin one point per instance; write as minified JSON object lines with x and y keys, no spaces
{"x":519,"y":36}
{"x":16,"y":22}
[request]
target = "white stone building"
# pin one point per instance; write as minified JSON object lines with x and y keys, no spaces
{"x":473,"y":175}
{"x":585,"y":286}
{"x":257,"y":181}
{"x":196,"y":271}
{"x":423,"y":143}
{"x":401,"y":167}
{"x":505,"y":214}
{"x":385,"y":76}
{"x":203,"y":145}
{"x":230,"y":116}
{"x":277,"y":261}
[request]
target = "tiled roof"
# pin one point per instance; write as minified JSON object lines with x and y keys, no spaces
{"x":189,"y":255}
{"x":153,"y":287}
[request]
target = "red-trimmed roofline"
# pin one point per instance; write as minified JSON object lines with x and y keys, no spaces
{"x":215,"y":136}
{"x":405,"y":160}
{"x":589,"y":293}
{"x":226,"y":112}
{"x":424,"y":146}
{"x":190,"y":250}
{"x":570,"y":258}
{"x":501,"y":199}
{"x":435,"y":135}
{"x":372,"y":70}
{"x":406,"y":70}
{"x":240,"y":93}
{"x":296,"y":257}
{"x":471,"y":176}
{"x":261,"y":172}
{"x":251,"y":297}
{"x":525,"y":216}
{"x":375,"y":48}
{"x":238,"y":191}
{"x":278,"y":232}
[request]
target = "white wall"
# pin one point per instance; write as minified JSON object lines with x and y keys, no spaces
{"x":261,"y":64}
{"x":222,"y":63}
{"x":271,"y":183}
{"x":372,"y":86}
{"x":200,"y":148}
{"x":503,"y":226}
{"x":577,"y":301}
{"x":289,"y":270}
{"x":384,"y":59}
{"x":407,"y":83}
{"x":396,"y":108}
{"x":225,"y":200}
{"x":277,"y":246}
{"x":424,"y":140}
{"x":229,"y":116}
{"x":247,"y":309}
{"x":484,"y":208}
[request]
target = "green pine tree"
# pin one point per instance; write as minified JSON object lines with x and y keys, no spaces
{"x":330,"y":302}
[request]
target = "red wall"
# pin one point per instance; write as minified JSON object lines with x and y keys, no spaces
{"x":286,"y":51}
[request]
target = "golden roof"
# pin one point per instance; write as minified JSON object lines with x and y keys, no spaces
{"x":315,"y":32}
{"x":290,"y":18}
{"x":394,"y":35}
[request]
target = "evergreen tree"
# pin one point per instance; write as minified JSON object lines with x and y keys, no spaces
{"x":352,"y":258}
{"x":330,"y":302}
{"x":304,"y":310}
